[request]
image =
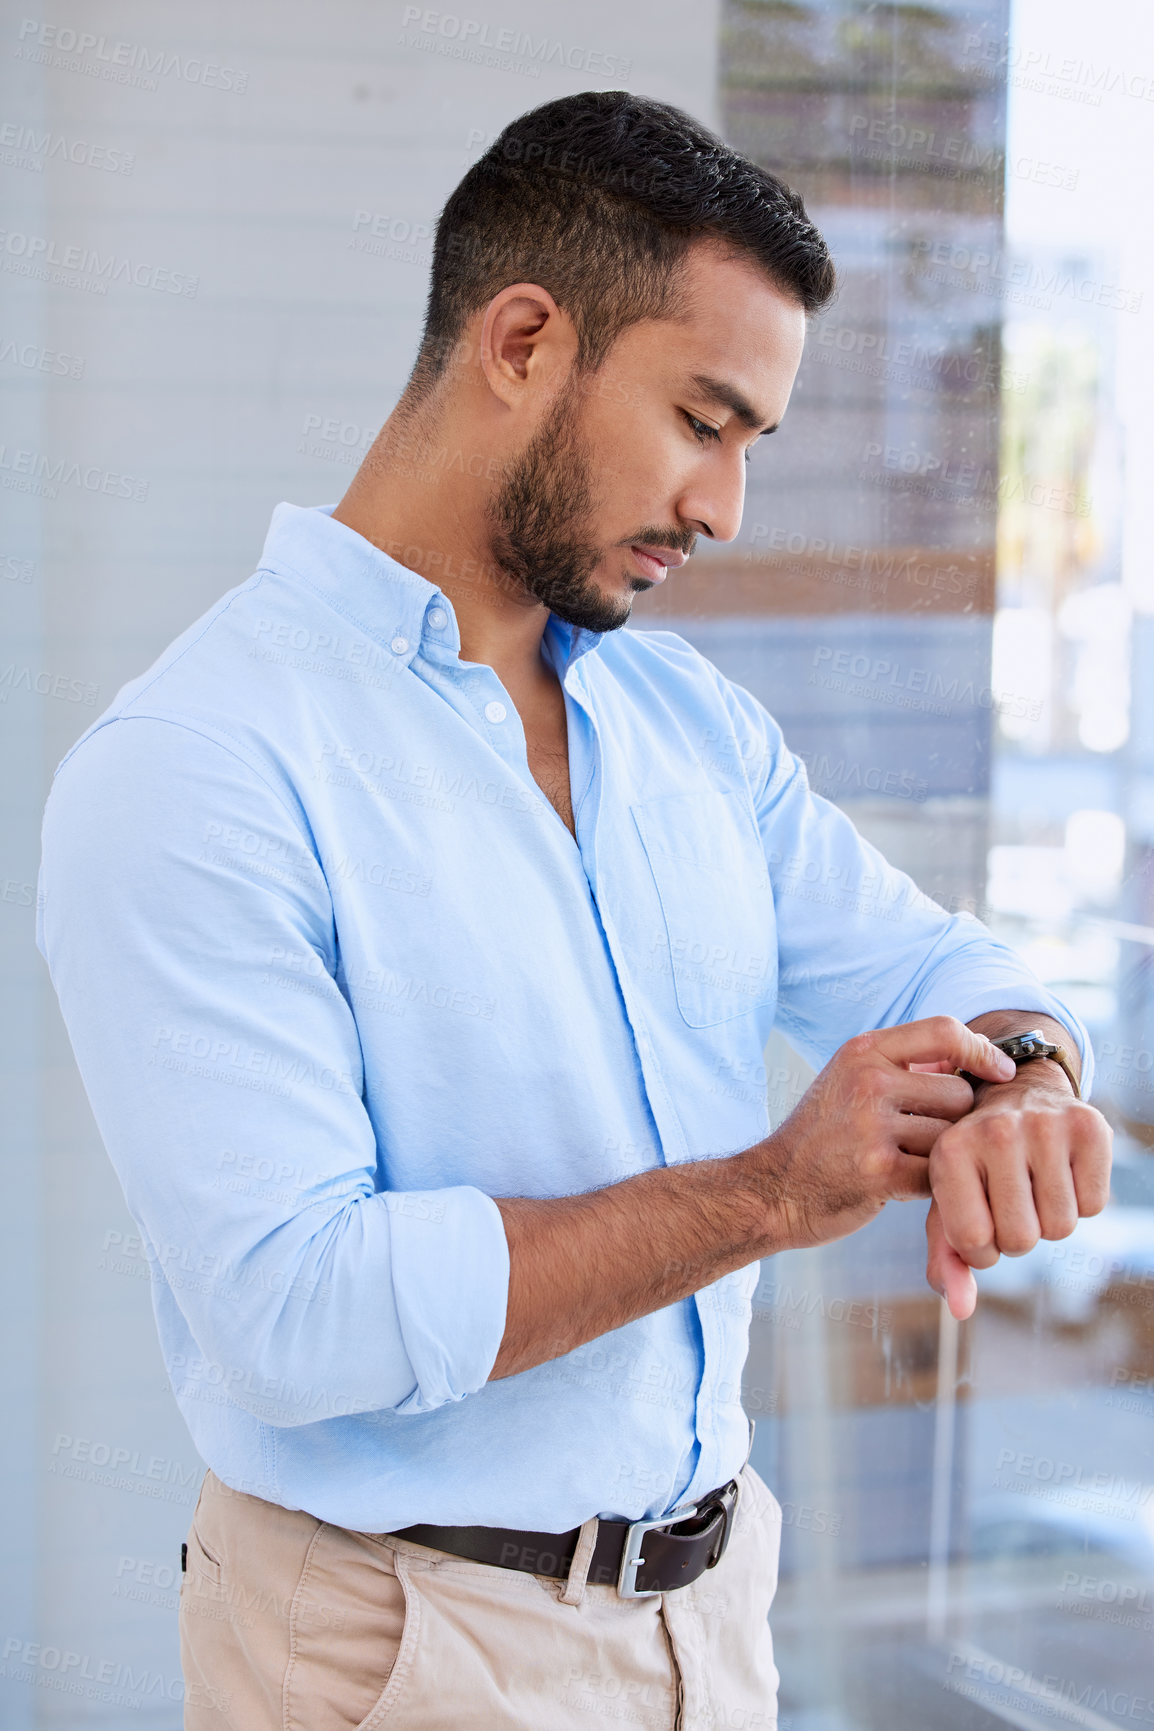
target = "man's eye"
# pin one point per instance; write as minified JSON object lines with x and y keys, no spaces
{"x":701,"y":429}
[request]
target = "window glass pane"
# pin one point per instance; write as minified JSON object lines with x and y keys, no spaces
{"x":940,"y":591}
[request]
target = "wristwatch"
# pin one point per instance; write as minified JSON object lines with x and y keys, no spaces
{"x":1022,"y":1048}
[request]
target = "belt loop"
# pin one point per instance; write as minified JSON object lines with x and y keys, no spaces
{"x":579,"y":1568}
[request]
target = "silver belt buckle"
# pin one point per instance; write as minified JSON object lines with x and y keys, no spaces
{"x":632,"y":1556}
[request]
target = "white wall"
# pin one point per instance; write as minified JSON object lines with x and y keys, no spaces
{"x":202,"y":401}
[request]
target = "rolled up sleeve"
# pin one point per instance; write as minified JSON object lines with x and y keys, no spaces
{"x":188,"y":928}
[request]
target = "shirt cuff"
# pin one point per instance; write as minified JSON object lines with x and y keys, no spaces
{"x":450,"y":1263}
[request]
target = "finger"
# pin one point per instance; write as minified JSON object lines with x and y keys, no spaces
{"x":917,"y":1135}
{"x":1010,"y":1193}
{"x":946,"y":1272}
{"x":945,"y":1037}
{"x":906,"y":1176}
{"x":1055,"y":1199}
{"x":960,"y":1193}
{"x":1090,"y":1163}
{"x":933,"y":1096}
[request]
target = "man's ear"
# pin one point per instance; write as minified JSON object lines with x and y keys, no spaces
{"x":527,"y":343}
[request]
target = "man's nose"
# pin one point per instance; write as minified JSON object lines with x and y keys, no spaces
{"x":714,"y":502}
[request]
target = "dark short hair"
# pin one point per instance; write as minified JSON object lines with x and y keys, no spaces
{"x":598,"y":197}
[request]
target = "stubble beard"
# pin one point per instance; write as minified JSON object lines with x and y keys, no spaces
{"x":539,"y":517}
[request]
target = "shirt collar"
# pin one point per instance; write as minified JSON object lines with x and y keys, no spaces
{"x":566,"y":644}
{"x":386,"y":600}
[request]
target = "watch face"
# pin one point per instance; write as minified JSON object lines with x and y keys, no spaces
{"x":1034,"y":1044}
{"x":1019,"y":1047}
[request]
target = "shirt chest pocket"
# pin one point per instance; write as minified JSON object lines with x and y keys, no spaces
{"x":720,"y":936}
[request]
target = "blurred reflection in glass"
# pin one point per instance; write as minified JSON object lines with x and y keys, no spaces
{"x":937,"y":594}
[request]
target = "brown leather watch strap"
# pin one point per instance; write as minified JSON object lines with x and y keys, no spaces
{"x":1060,"y":1057}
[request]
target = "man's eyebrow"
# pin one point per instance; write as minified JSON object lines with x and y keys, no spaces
{"x":718,"y":391}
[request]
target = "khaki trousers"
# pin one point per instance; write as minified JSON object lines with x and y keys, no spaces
{"x":289,"y":1624}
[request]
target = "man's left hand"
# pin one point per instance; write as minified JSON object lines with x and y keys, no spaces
{"x":1026,"y":1163}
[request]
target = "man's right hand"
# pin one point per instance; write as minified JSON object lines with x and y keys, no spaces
{"x":862,"y":1133}
{"x":580,"y":1266}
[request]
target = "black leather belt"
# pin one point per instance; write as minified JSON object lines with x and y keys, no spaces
{"x":640,"y":1557}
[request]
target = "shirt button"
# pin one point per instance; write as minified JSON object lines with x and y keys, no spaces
{"x":399,"y":645}
{"x":438,"y":618}
{"x":495,"y":712}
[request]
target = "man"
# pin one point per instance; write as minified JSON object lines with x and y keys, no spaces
{"x":404,"y":916}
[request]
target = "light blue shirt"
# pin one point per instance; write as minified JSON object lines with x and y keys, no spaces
{"x":336,"y":974}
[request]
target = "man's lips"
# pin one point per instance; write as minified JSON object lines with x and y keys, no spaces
{"x":655,"y":561}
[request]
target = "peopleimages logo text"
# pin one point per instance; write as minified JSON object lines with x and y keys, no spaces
{"x":37,"y":252}
{"x":471,"y":34}
{"x":118,"y":61}
{"x":884,"y":680}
